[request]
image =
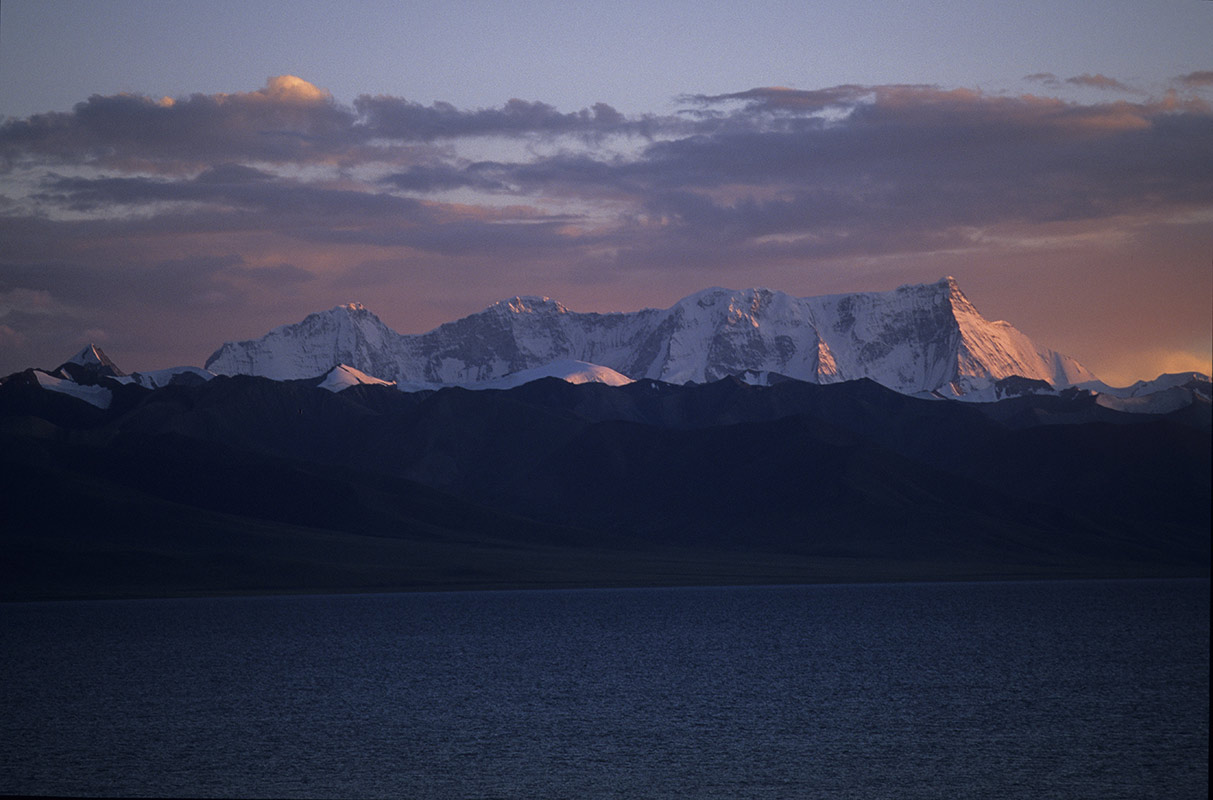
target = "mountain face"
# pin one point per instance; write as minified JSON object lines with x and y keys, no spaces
{"x":915,"y":340}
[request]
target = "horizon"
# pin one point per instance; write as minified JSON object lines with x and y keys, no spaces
{"x":430,"y":160}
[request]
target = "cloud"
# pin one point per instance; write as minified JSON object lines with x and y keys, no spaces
{"x":228,"y":173}
{"x":403,"y":120}
{"x":917,"y":157}
{"x":290,"y":89}
{"x":287,"y":121}
{"x":442,"y":177}
{"x":1046,"y":78}
{"x":1200,"y":78}
{"x":760,"y":163}
{"x":772,"y":99}
{"x":1097,"y":81}
{"x":891,"y":166}
{"x":233,"y":190}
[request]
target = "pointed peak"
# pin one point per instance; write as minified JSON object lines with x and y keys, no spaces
{"x":959,"y":298}
{"x":350,"y":308}
{"x":91,"y":354}
{"x":94,"y":359}
{"x":946,"y":287}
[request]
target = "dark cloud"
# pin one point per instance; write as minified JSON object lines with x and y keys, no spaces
{"x":1097,"y":81}
{"x":232,"y":173}
{"x":442,"y":177}
{"x":919,"y":158}
{"x":277,"y":198}
{"x":1046,"y":78}
{"x":506,"y":238}
{"x":1199,"y":78}
{"x":399,"y":119}
{"x":288,"y":121}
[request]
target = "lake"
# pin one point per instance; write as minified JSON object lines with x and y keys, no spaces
{"x":1066,"y":689}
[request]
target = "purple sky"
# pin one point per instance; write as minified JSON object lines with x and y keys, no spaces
{"x":160,"y":195}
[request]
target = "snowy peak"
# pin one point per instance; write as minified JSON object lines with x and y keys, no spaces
{"x":745,"y":308}
{"x":721,"y":332}
{"x":997,"y":350}
{"x":1197,"y":381}
{"x":343,"y":376}
{"x":567,"y":370}
{"x":528,"y":304}
{"x":346,"y":334}
{"x":92,"y":361}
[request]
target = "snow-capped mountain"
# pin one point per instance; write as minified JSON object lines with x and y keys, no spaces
{"x":922,"y":339}
{"x":348,"y":334}
{"x":89,"y":363}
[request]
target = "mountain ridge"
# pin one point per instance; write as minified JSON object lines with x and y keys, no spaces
{"x":916,"y":339}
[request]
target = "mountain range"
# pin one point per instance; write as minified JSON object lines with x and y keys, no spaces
{"x":924,"y":339}
{"x":790,"y":440}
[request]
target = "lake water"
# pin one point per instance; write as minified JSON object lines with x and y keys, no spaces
{"x":1009,"y":690}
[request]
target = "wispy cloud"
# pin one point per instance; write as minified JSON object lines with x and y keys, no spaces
{"x":1097,"y":81}
{"x":1199,"y":78}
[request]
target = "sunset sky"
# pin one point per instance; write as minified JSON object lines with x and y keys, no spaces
{"x":175,"y":175}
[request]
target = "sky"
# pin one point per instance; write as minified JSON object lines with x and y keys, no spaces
{"x":176,"y":175}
